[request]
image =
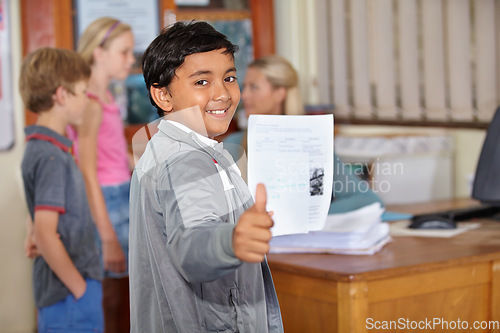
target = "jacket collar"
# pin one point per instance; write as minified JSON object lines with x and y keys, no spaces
{"x":179,"y":132}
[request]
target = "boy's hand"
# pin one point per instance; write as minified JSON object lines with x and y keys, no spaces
{"x":78,"y":293}
{"x":252,"y":234}
{"x":30,"y":249}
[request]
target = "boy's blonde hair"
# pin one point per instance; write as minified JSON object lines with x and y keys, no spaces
{"x":45,"y":70}
{"x":100,"y":33}
{"x":281,"y":73}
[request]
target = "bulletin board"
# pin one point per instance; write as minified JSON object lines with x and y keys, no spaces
{"x":143,"y":16}
{"x":7,"y":139}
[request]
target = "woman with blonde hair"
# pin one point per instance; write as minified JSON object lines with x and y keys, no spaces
{"x":271,"y":86}
{"x":102,"y":153}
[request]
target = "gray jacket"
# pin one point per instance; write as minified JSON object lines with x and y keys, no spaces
{"x":184,"y":276}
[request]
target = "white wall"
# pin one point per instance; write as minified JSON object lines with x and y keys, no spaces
{"x":467,"y":142}
{"x":17,"y":310}
{"x":468,"y":145}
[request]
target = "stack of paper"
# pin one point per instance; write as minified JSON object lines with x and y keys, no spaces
{"x":358,"y":232}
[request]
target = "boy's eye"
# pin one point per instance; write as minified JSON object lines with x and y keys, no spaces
{"x":201,"y":82}
{"x":230,"y":79}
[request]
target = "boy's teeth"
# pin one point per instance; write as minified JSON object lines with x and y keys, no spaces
{"x":217,"y":111}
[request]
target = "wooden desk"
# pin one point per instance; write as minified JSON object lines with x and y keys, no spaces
{"x":412,"y":278}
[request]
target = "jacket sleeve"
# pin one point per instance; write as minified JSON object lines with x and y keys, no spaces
{"x":196,"y":211}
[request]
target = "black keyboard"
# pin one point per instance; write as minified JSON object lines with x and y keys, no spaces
{"x":464,"y":214}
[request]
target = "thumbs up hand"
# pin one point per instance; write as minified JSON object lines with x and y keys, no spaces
{"x":252,"y":233}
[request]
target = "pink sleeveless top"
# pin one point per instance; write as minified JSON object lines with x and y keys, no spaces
{"x":112,"y":156}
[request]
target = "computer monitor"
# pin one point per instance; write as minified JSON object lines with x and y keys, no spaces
{"x":486,"y":184}
{"x":487,"y":179}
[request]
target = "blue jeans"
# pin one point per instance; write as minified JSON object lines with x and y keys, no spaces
{"x":117,"y":205}
{"x":83,"y":315}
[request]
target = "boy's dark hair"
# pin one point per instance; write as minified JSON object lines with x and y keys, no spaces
{"x":45,"y":70}
{"x":167,"y":52}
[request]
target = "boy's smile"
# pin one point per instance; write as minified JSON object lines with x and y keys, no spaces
{"x":204,"y":93}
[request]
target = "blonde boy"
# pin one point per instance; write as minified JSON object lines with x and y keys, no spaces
{"x":66,"y":273}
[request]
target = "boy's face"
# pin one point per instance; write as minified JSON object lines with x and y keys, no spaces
{"x":204,"y":93}
{"x":76,"y":103}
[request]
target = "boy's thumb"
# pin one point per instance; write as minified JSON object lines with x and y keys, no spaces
{"x":260,"y":198}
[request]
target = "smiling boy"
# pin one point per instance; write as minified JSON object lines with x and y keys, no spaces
{"x":197,"y":240}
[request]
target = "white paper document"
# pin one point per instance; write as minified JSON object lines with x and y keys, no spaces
{"x":293,"y":157}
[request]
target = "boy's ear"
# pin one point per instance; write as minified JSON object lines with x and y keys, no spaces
{"x":60,"y":95}
{"x":161,"y":98}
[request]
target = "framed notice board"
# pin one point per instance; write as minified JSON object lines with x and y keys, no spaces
{"x":142,"y":16}
{"x":7,"y":139}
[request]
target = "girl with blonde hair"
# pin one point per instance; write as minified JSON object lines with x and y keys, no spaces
{"x":102,"y":153}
